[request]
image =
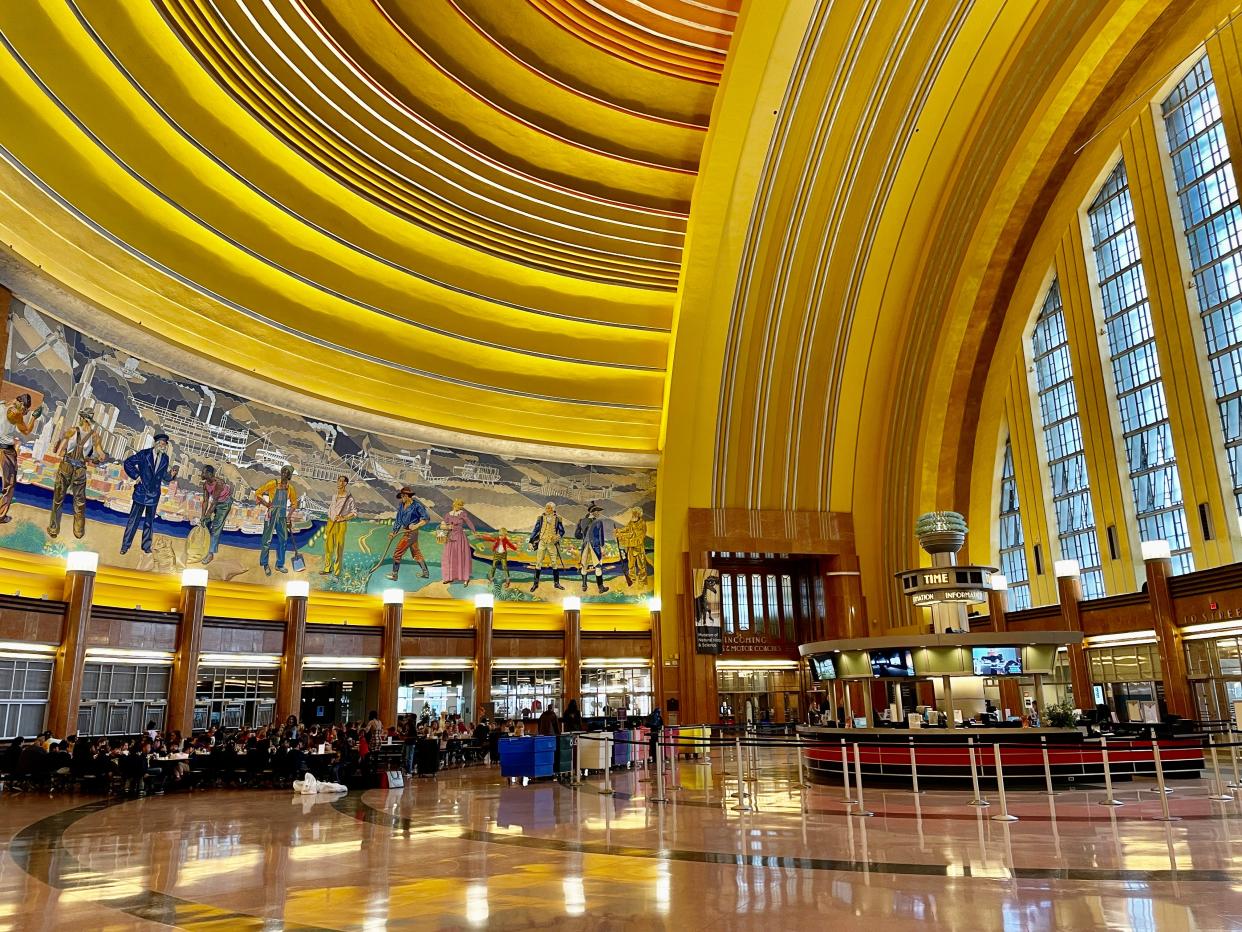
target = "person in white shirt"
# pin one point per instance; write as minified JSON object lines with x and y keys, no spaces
{"x":13,"y":427}
{"x":340,"y":512}
{"x":78,"y":448}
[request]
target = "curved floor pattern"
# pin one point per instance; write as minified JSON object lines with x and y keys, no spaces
{"x":466,"y":850}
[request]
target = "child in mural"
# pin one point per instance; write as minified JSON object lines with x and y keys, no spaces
{"x":13,"y":428}
{"x":411,"y":516}
{"x":501,"y":547}
{"x":632,"y":539}
{"x":78,"y":448}
{"x":149,"y":469}
{"x":279,"y":496}
{"x":590,"y":531}
{"x":455,"y":560}
{"x":217,"y":503}
{"x":342,"y":510}
{"x":545,"y":541}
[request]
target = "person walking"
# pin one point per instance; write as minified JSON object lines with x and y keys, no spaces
{"x":411,"y":517}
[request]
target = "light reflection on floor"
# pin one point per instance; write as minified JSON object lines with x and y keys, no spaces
{"x":466,"y":850}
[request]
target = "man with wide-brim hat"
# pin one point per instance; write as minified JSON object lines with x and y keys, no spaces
{"x":411,"y":516}
{"x":590,"y":531}
{"x":80,"y":446}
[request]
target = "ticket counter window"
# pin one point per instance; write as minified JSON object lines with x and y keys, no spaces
{"x":436,"y":692}
{"x":121,"y":698}
{"x":235,"y":697}
{"x":24,"y":688}
{"x":1129,"y":681}
{"x":616,"y":691}
{"x":773,"y":694}
{"x":524,"y":694}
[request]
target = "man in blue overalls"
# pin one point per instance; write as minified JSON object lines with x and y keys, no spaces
{"x":149,"y":469}
{"x":280,"y":497}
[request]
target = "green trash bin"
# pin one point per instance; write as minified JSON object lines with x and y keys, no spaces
{"x":564,"y":753}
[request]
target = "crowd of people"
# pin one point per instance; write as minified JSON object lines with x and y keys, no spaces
{"x":267,"y":755}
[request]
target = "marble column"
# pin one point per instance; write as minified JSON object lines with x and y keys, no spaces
{"x":657,"y":654}
{"x":390,"y":655}
{"x":998,"y":606}
{"x":70,"y":663}
{"x":573,"y":651}
{"x":183,"y":682}
{"x":483,"y":656}
{"x":1069,"y":592}
{"x":289,"y":689}
{"x":1159,"y":567}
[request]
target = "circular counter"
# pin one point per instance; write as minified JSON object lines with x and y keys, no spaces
{"x":886,"y":754}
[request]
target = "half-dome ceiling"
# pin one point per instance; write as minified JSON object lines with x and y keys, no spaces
{"x":466,"y":213}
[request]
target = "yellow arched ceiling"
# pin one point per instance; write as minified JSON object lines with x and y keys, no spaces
{"x":468,"y":214}
{"x":862,"y":274}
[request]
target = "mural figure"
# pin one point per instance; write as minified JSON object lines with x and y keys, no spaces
{"x":217,"y":503}
{"x":455,"y":560}
{"x":411,"y":517}
{"x":149,"y":469}
{"x":342,"y":510}
{"x":13,"y":428}
{"x":632,"y":539}
{"x":502,"y":545}
{"x":280,"y":498}
{"x":79,"y":447}
{"x":545,"y":541}
{"x":590,"y":531}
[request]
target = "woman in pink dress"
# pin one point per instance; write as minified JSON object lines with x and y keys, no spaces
{"x":455,"y":560}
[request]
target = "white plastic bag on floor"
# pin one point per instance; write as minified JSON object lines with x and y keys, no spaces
{"x":310,"y":786}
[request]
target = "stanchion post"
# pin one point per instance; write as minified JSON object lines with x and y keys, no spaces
{"x":1160,"y":788}
{"x":845,"y":774}
{"x":743,"y":796}
{"x":607,"y":790}
{"x":574,"y":759}
{"x":862,"y":809}
{"x":1108,"y":776}
{"x":1003,"y":815}
{"x":978,"y":801}
{"x":1043,"y":748}
{"x":1220,"y":795}
{"x":1236,"y":782}
{"x":801,"y":773}
{"x":914,"y":769}
{"x":659,"y":769}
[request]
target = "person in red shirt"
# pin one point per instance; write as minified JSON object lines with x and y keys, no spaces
{"x":501,"y":546}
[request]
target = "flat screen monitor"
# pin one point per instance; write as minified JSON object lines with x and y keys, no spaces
{"x":823,"y":668}
{"x":891,"y":662}
{"x":996,"y":661}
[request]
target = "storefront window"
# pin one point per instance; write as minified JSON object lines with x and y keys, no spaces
{"x":614,"y":690}
{"x":1127,"y":681}
{"x":772,"y":694}
{"x":526,"y":693}
{"x":120,"y":698}
{"x":1215,"y":668}
{"x":24,"y":687}
{"x":234,"y":697}
{"x":436,"y":691}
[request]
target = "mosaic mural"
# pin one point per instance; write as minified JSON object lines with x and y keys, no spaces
{"x":100,"y":450}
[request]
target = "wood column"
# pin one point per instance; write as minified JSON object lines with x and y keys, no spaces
{"x":843,"y":599}
{"x":573,"y":655}
{"x":1010,"y":692}
{"x":657,"y":661}
{"x":289,"y":689}
{"x":390,"y":662}
{"x":183,"y":682}
{"x":1177,"y":696}
{"x":1069,"y":592}
{"x":70,"y":664}
{"x":482,"y":660}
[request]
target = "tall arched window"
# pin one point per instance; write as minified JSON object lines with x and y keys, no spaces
{"x":1067,"y":463}
{"x":1012,"y":552}
{"x":1208,"y":196}
{"x":1154,"y":480}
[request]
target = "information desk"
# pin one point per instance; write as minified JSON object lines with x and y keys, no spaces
{"x":944,"y":755}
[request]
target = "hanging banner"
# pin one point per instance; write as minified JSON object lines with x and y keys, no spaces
{"x":708,"y":615}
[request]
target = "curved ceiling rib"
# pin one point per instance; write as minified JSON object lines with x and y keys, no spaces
{"x":399,"y":214}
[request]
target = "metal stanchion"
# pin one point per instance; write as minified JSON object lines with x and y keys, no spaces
{"x":676,"y":766}
{"x":576,"y":776}
{"x":1108,"y":776}
{"x":607,"y":789}
{"x":914,"y":769}
{"x":1236,"y":782}
{"x":978,"y":801}
{"x":861,"y":810}
{"x":802,"y":781}
{"x":1043,"y":747}
{"x":1003,"y":815}
{"x":743,"y":795}
{"x":1220,"y":796}
{"x":659,"y":797}
{"x":1160,"y":788}
{"x":845,"y":774}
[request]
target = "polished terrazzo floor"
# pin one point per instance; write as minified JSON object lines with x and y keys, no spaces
{"x":468,"y":851}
